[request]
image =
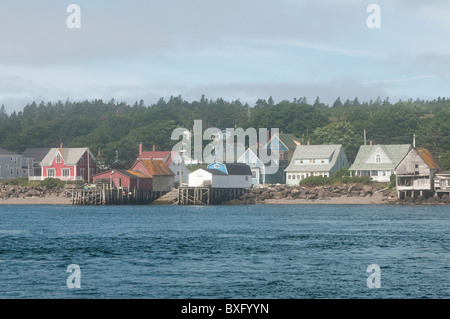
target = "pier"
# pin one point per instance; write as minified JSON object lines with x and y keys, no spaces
{"x":207,"y":195}
{"x":112,"y":196}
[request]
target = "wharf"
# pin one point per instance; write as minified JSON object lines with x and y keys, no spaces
{"x":112,"y":196}
{"x":208,"y":195}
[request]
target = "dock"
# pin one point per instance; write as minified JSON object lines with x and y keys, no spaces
{"x":112,"y":196}
{"x":207,"y":195}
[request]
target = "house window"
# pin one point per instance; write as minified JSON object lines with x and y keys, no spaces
{"x":11,"y":172}
{"x":322,"y":161}
{"x":82,"y":173}
{"x":448,"y":182}
{"x":298,"y":176}
{"x":416,"y":166}
{"x":58,"y":158}
{"x":51,"y":172}
{"x":378,"y":158}
{"x":253,"y":163}
{"x":216,"y":165}
{"x":17,"y":171}
{"x":65,"y":172}
{"x":82,"y":161}
{"x":373,"y":173}
{"x":246,"y":178}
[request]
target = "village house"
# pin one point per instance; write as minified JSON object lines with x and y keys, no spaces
{"x":315,"y":160}
{"x":256,"y":165}
{"x":222,"y":175}
{"x":172,"y":159}
{"x":378,"y":161}
{"x":415,"y":174}
{"x":32,"y":158}
{"x":124,"y":179}
{"x":287,"y":144}
{"x":11,"y":165}
{"x":69,"y":164}
{"x":163,"y":178}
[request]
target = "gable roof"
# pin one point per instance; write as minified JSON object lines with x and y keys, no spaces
{"x":214,"y":171}
{"x":156,"y":167}
{"x":238,"y":169}
{"x":428,"y":158}
{"x":6,"y":152}
{"x":136,"y":174}
{"x":37,"y":154}
{"x":289,"y":140}
{"x":307,"y":152}
{"x":71,"y":156}
{"x":396,"y":153}
{"x":249,"y":154}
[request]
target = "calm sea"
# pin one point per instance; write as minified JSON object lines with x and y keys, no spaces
{"x":276,"y":252}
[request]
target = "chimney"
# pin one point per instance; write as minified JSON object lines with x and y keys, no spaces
{"x":371,"y":143}
{"x":140,"y":148}
{"x":307,"y":143}
{"x":154,"y":147}
{"x":281,"y":132}
{"x":61,"y":145}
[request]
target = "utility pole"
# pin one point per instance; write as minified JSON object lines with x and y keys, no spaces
{"x":365,"y":139}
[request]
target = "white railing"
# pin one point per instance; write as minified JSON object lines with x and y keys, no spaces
{"x":40,"y":178}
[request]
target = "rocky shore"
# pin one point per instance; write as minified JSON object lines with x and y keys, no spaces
{"x":330,"y":194}
{"x":357,"y":194}
{"x":18,"y":195}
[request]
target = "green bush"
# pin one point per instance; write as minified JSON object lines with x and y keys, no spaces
{"x":357,"y":179}
{"x":393,"y":181}
{"x":316,"y":181}
{"x":21,"y":181}
{"x":52,"y":183}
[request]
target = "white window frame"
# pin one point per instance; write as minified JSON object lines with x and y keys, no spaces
{"x":63,"y":170}
{"x":53,"y":174}
{"x":58,"y":158}
{"x":378,"y":158}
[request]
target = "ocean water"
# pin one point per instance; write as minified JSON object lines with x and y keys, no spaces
{"x":237,"y":252}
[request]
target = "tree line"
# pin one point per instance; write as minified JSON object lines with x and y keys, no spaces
{"x":115,"y":129}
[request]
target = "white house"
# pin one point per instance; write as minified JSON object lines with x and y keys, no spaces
{"x":315,"y":160}
{"x":256,"y":165}
{"x":378,"y":161}
{"x":222,"y":175}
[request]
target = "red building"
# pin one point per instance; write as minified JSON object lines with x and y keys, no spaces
{"x":126,"y":179}
{"x":163,"y":177}
{"x":71,"y":164}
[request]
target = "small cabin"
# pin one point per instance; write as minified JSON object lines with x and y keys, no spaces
{"x":222,"y":175}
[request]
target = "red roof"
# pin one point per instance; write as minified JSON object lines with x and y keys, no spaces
{"x":429,"y":159}
{"x":157,"y":155}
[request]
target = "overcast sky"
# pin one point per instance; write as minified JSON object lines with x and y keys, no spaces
{"x":234,"y":49}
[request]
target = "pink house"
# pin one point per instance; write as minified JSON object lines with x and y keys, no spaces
{"x":74,"y":164}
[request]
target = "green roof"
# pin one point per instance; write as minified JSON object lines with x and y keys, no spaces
{"x":290,"y":140}
{"x":395,"y":154}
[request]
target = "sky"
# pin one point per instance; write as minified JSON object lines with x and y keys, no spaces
{"x":232,"y":49}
